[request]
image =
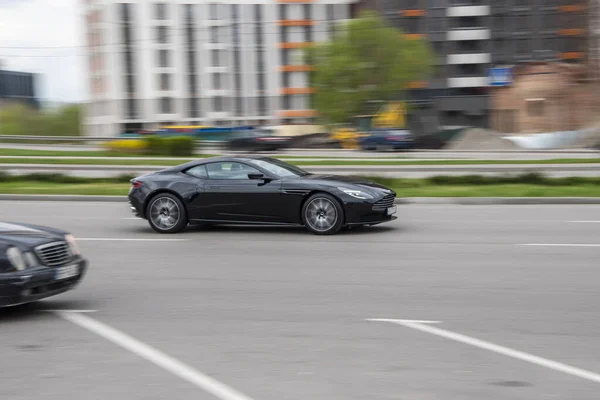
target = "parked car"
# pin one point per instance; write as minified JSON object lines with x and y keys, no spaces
{"x":387,"y":140}
{"x":257,"y":190}
{"x":37,"y":262}
{"x":257,"y":140}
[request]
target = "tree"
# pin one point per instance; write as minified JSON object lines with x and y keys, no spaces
{"x":18,"y":119}
{"x":367,"y":60}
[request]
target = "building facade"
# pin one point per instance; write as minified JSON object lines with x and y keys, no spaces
{"x":18,"y":87}
{"x":197,"y":62}
{"x":471,"y":37}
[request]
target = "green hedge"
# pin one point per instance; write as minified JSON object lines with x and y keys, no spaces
{"x":177,"y":146}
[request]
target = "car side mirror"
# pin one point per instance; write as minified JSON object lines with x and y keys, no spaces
{"x":256,"y":176}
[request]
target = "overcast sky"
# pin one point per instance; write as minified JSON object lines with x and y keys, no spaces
{"x":27,"y":26}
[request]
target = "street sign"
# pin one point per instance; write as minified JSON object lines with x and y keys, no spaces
{"x":500,"y":76}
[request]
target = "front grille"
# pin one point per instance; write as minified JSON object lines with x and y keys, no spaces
{"x":54,"y":254}
{"x":385,"y":203}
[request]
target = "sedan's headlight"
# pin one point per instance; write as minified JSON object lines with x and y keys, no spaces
{"x":72,"y":244}
{"x":16,"y":259}
{"x":359,"y":194}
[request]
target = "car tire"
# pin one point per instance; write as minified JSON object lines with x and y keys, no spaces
{"x":322,"y":214}
{"x":166,"y":213}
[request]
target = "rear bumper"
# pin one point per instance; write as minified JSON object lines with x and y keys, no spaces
{"x":32,"y":285}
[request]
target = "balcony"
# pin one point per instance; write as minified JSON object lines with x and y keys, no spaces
{"x":466,"y":82}
{"x":475,"y":58}
{"x":469,"y":34}
{"x":468,"y":11}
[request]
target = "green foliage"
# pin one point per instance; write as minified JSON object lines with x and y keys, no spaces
{"x":367,"y":60}
{"x":155,"y":145}
{"x":18,"y":119}
{"x":180,"y":146}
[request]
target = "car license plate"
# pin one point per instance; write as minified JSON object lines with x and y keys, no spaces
{"x":391,"y":210}
{"x":66,"y":272}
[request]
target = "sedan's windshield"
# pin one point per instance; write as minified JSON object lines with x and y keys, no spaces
{"x":278,"y":168}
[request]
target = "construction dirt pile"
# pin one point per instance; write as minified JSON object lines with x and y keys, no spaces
{"x":481,"y":139}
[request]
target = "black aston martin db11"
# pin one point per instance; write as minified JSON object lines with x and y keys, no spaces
{"x":257,"y":190}
{"x":37,"y":262}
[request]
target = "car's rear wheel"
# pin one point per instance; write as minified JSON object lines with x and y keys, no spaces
{"x":166,"y":213}
{"x":322,"y":214}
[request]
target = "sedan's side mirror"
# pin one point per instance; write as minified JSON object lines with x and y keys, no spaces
{"x":256,"y":176}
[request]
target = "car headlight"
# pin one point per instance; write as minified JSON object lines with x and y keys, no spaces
{"x":31,"y":260}
{"x":359,"y":194}
{"x":16,"y":259}
{"x":70,"y":239}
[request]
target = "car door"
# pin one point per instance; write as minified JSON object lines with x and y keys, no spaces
{"x":230,"y":195}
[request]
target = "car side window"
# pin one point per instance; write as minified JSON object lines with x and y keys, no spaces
{"x":230,"y":170}
{"x":198,"y":171}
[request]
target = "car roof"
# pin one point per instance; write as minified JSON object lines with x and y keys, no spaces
{"x":202,"y":161}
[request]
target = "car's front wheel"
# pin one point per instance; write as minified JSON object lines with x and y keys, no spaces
{"x":322,"y":214}
{"x":166,"y":213}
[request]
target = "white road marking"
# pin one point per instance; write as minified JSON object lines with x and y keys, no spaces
{"x":71,"y":311}
{"x":170,"y":364}
{"x":560,"y":244}
{"x":471,"y":341}
{"x":585,"y":222}
{"x":129,"y":240}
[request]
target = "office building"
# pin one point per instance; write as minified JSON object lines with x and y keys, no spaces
{"x":195,"y":62}
{"x":18,"y":87}
{"x":473,"y":37}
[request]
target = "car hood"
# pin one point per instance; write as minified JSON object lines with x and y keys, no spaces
{"x":350,"y":181}
{"x":26,"y":235}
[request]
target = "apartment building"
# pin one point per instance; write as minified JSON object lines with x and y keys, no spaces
{"x":472,"y":37}
{"x":198,"y":62}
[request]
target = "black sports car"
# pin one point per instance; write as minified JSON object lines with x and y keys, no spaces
{"x":37,"y":262}
{"x":257,"y":190}
{"x":257,"y":140}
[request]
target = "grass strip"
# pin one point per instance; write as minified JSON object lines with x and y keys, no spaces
{"x":527,"y":185}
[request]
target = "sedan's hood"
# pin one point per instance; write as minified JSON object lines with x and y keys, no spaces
{"x":362,"y":183}
{"x":24,"y":235}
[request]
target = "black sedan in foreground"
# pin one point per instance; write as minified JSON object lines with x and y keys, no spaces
{"x":257,"y":190}
{"x":36,"y":263}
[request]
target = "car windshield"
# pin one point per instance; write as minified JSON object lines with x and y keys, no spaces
{"x":278,"y":168}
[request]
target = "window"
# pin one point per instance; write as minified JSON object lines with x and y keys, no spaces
{"x":161,"y":34}
{"x":160,"y":11}
{"x":198,"y":172}
{"x":230,"y":170}
{"x":166,"y":105}
{"x":165,"y":82}
{"x":163,"y":58}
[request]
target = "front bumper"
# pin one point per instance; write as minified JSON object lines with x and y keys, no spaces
{"x":363,"y":214}
{"x":36,"y":284}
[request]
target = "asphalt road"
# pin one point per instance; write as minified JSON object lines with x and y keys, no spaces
{"x":282,"y":314}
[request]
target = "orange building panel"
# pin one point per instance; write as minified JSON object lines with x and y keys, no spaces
{"x":295,"y":45}
{"x":298,"y":113}
{"x":412,"y":13}
{"x":296,"y":22}
{"x":298,"y":90}
{"x":296,"y":68}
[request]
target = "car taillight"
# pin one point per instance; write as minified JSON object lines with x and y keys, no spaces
{"x":136,"y":184}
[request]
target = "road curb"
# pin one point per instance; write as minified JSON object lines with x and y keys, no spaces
{"x":407,"y":200}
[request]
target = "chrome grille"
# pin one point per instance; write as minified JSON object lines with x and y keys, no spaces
{"x":385,"y":203}
{"x":54,"y":254}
